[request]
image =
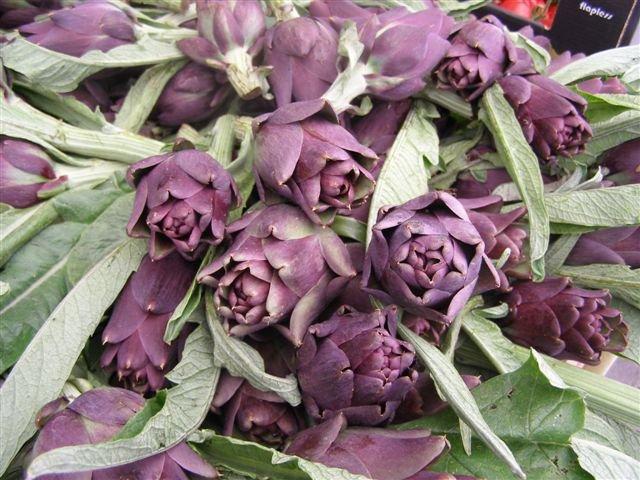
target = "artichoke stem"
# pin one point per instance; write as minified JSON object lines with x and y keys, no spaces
{"x":248,"y":81}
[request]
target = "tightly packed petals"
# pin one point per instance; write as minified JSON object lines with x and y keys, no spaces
{"x":376,"y":453}
{"x":280,"y":266}
{"x":564,"y":321}
{"x":313,"y":162}
{"x":92,"y":25}
{"x":427,"y":256}
{"x":353,"y":363}
{"x":182,"y":201}
{"x":135,"y":348}
{"x":95,"y":417}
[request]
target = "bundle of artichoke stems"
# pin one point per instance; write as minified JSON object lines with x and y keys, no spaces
{"x":329,"y":203}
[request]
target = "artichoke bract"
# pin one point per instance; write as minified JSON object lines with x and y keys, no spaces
{"x":304,"y":54}
{"x":263,"y":416}
{"x":92,"y":25}
{"x":133,"y":337}
{"x":551,"y":115}
{"x":610,"y":245}
{"x":376,"y":453}
{"x":16,"y":13}
{"x":353,"y":363}
{"x":427,"y":256}
{"x":280,"y":266}
{"x":191,"y":96}
{"x":468,"y":186}
{"x":231,"y":34}
{"x":378,"y":129}
{"x":623,"y":163}
{"x":564,"y":321}
{"x":182,"y":201}
{"x":26,"y":174}
{"x":480,"y":53}
{"x":95,"y":417}
{"x":312,"y":162}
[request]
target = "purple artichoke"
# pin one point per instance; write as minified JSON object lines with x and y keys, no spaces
{"x":564,"y":321}
{"x":353,"y":363}
{"x":182,"y":202}
{"x":191,"y":96}
{"x":26,"y":174}
{"x":376,"y":453}
{"x":95,"y":417}
{"x":378,"y":129}
{"x":427,"y":256}
{"x":550,"y":114}
{"x":280,"y":266}
{"x":303,"y":53}
{"x":481,"y":52}
{"x":15,"y":13}
{"x":432,"y":330}
{"x":231,"y":34}
{"x":133,"y":337}
{"x":313,"y":163}
{"x":468,"y":186}
{"x":623,"y":163}
{"x":611,"y":245}
{"x":92,"y":25}
{"x":337,"y":12}
{"x":263,"y":416}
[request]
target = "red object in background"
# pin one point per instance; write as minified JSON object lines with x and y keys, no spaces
{"x":535,"y":10}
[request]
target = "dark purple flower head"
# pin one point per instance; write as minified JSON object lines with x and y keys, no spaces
{"x":133,"y":337}
{"x":14,"y":14}
{"x":550,"y":114}
{"x":378,"y":129}
{"x":353,"y":363}
{"x":480,"y":53}
{"x":182,"y":202}
{"x":304,"y":54}
{"x":26,"y":174}
{"x":280,"y":266}
{"x":611,"y":245}
{"x":92,"y":25}
{"x":263,"y":416}
{"x":191,"y":96}
{"x":395,"y":72}
{"x":564,"y":321}
{"x":623,"y":163}
{"x":313,"y":163}
{"x":338,"y":11}
{"x":95,"y":417}
{"x":427,"y":256}
{"x":376,"y":453}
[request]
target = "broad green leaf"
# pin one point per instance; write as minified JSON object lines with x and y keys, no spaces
{"x":616,"y":99}
{"x":609,"y":63}
{"x":242,"y":166}
{"x":184,"y":409}
{"x":608,"y":432}
{"x":349,"y":227}
{"x":45,"y":365}
{"x":84,"y":206}
{"x":403,"y":175}
{"x":531,"y":410}
{"x":455,"y":392}
{"x":622,"y":281}
{"x":38,"y":283}
{"x":598,"y":207}
{"x":143,"y":95}
{"x":631,"y":315}
{"x":604,"y":395}
{"x":106,"y":231}
{"x":63,"y":73}
{"x":609,"y":132}
{"x":559,"y":251}
{"x":65,"y":107}
{"x":242,"y":360}
{"x":605,"y":463}
{"x":538,"y":54}
{"x":22,"y":120}
{"x":461,"y":8}
{"x":524,"y":169}
{"x":258,"y":461}
{"x":449,"y":100}
{"x":18,"y":226}
{"x":136,"y":423}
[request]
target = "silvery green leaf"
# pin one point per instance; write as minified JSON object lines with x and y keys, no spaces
{"x":631,"y":315}
{"x":18,"y":226}
{"x":53,"y":351}
{"x":455,"y":392}
{"x":609,"y":63}
{"x":610,"y":132}
{"x":538,"y":54}
{"x":403,"y":175}
{"x":63,"y":73}
{"x":605,"y":463}
{"x":606,"y":431}
{"x":184,"y":409}
{"x":242,"y":360}
{"x":523,"y":167}
{"x":449,"y":100}
{"x":616,"y":99}
{"x":559,"y":251}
